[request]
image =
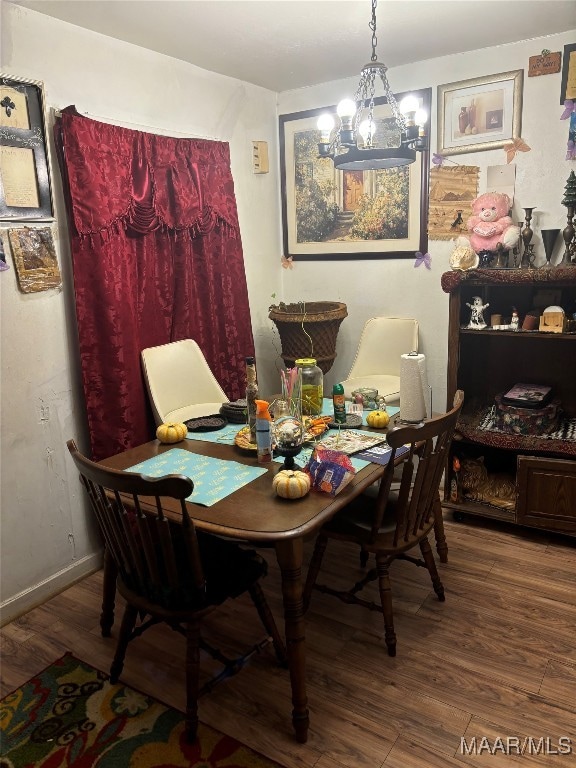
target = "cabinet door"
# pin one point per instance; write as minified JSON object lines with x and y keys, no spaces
{"x":547,"y":493}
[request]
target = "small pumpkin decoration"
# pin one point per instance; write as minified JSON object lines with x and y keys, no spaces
{"x":291,"y":484}
{"x":172,"y":432}
{"x":378,"y":419}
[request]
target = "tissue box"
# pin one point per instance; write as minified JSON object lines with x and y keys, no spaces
{"x":330,"y":471}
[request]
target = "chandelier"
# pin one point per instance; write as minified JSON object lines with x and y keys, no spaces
{"x":352,"y":146}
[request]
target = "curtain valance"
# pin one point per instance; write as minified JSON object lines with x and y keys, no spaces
{"x":142,"y":182}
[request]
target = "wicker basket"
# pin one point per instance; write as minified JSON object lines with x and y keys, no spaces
{"x":320,"y":319}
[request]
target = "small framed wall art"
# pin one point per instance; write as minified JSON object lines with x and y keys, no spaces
{"x":479,"y":114}
{"x":25,"y":191}
{"x":568,"y":86}
{"x":34,"y":258}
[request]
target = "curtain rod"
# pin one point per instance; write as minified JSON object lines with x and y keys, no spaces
{"x":140,"y":126}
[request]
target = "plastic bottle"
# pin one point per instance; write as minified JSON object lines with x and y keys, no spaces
{"x":263,"y":433}
{"x":251,"y":396}
{"x":339,"y":403}
{"x":312,"y":386}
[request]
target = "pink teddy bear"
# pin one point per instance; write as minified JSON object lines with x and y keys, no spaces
{"x":491,"y":224}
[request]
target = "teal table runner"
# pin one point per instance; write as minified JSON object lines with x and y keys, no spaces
{"x":214,"y":479}
{"x":227,"y":434}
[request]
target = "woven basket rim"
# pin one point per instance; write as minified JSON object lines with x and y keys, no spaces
{"x":309,"y":311}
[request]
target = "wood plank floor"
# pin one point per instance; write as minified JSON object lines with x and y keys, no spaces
{"x":496,"y":660}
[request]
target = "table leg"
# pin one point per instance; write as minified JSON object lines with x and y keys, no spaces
{"x":108,"y":595}
{"x":289,"y":553}
{"x":441,"y":545}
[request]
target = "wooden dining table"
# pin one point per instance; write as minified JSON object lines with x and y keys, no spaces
{"x":255,"y":514}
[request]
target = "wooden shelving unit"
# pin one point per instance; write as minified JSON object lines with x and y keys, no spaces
{"x":486,"y":362}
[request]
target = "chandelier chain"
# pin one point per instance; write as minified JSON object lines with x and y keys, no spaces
{"x":351,"y":146}
{"x":372,"y":26}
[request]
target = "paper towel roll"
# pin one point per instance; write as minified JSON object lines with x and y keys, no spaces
{"x":414,"y":389}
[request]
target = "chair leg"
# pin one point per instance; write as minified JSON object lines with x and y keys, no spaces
{"x":314,"y":569}
{"x":383,"y":566}
{"x":192,"y":679}
{"x":128,"y":622}
{"x":441,"y":545}
{"x":267,"y":620}
{"x":426,"y":550}
{"x":364,"y":555}
{"x":108,"y":594}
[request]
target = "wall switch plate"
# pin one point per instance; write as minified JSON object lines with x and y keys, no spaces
{"x":260,"y":157}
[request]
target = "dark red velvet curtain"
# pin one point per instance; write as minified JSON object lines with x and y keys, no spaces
{"x":157,"y":257}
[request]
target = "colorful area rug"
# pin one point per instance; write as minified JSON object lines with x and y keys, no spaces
{"x":70,"y":716}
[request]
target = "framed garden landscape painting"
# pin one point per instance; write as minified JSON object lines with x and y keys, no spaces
{"x":334,"y":214}
{"x":479,"y":114}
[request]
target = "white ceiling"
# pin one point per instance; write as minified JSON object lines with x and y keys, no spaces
{"x":285,"y":44}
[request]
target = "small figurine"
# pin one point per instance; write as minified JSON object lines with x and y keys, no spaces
{"x":477,"y":314}
{"x":381,"y":403}
{"x":515,"y":320}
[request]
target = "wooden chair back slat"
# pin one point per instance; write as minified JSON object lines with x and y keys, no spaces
{"x":112,"y":511}
{"x":421,"y":475}
{"x":96,"y":502}
{"x":162,"y":528}
{"x":147,"y":542}
{"x":154,"y":555}
{"x":191,"y":548}
{"x":128,"y":521}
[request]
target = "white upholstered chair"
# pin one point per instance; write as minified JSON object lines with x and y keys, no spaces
{"x":180,"y":383}
{"x":377,"y":363}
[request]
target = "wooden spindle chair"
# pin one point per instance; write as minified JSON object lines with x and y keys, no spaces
{"x":391,"y":523}
{"x":167,"y":572}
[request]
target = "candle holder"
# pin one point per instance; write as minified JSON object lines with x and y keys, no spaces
{"x":568,"y":236}
{"x":549,"y":237}
{"x":517,"y":250}
{"x":288,"y":434}
{"x":501,"y":257}
{"x":527,"y":234}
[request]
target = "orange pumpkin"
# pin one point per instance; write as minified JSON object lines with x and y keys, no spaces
{"x":172,"y":432}
{"x":378,"y":419}
{"x":291,"y":484}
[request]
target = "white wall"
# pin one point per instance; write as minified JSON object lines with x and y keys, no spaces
{"x":394,"y":287}
{"x":45,"y":537}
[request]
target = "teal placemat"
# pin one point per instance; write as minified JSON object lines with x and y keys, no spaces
{"x":225,"y":435}
{"x":214,"y":479}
